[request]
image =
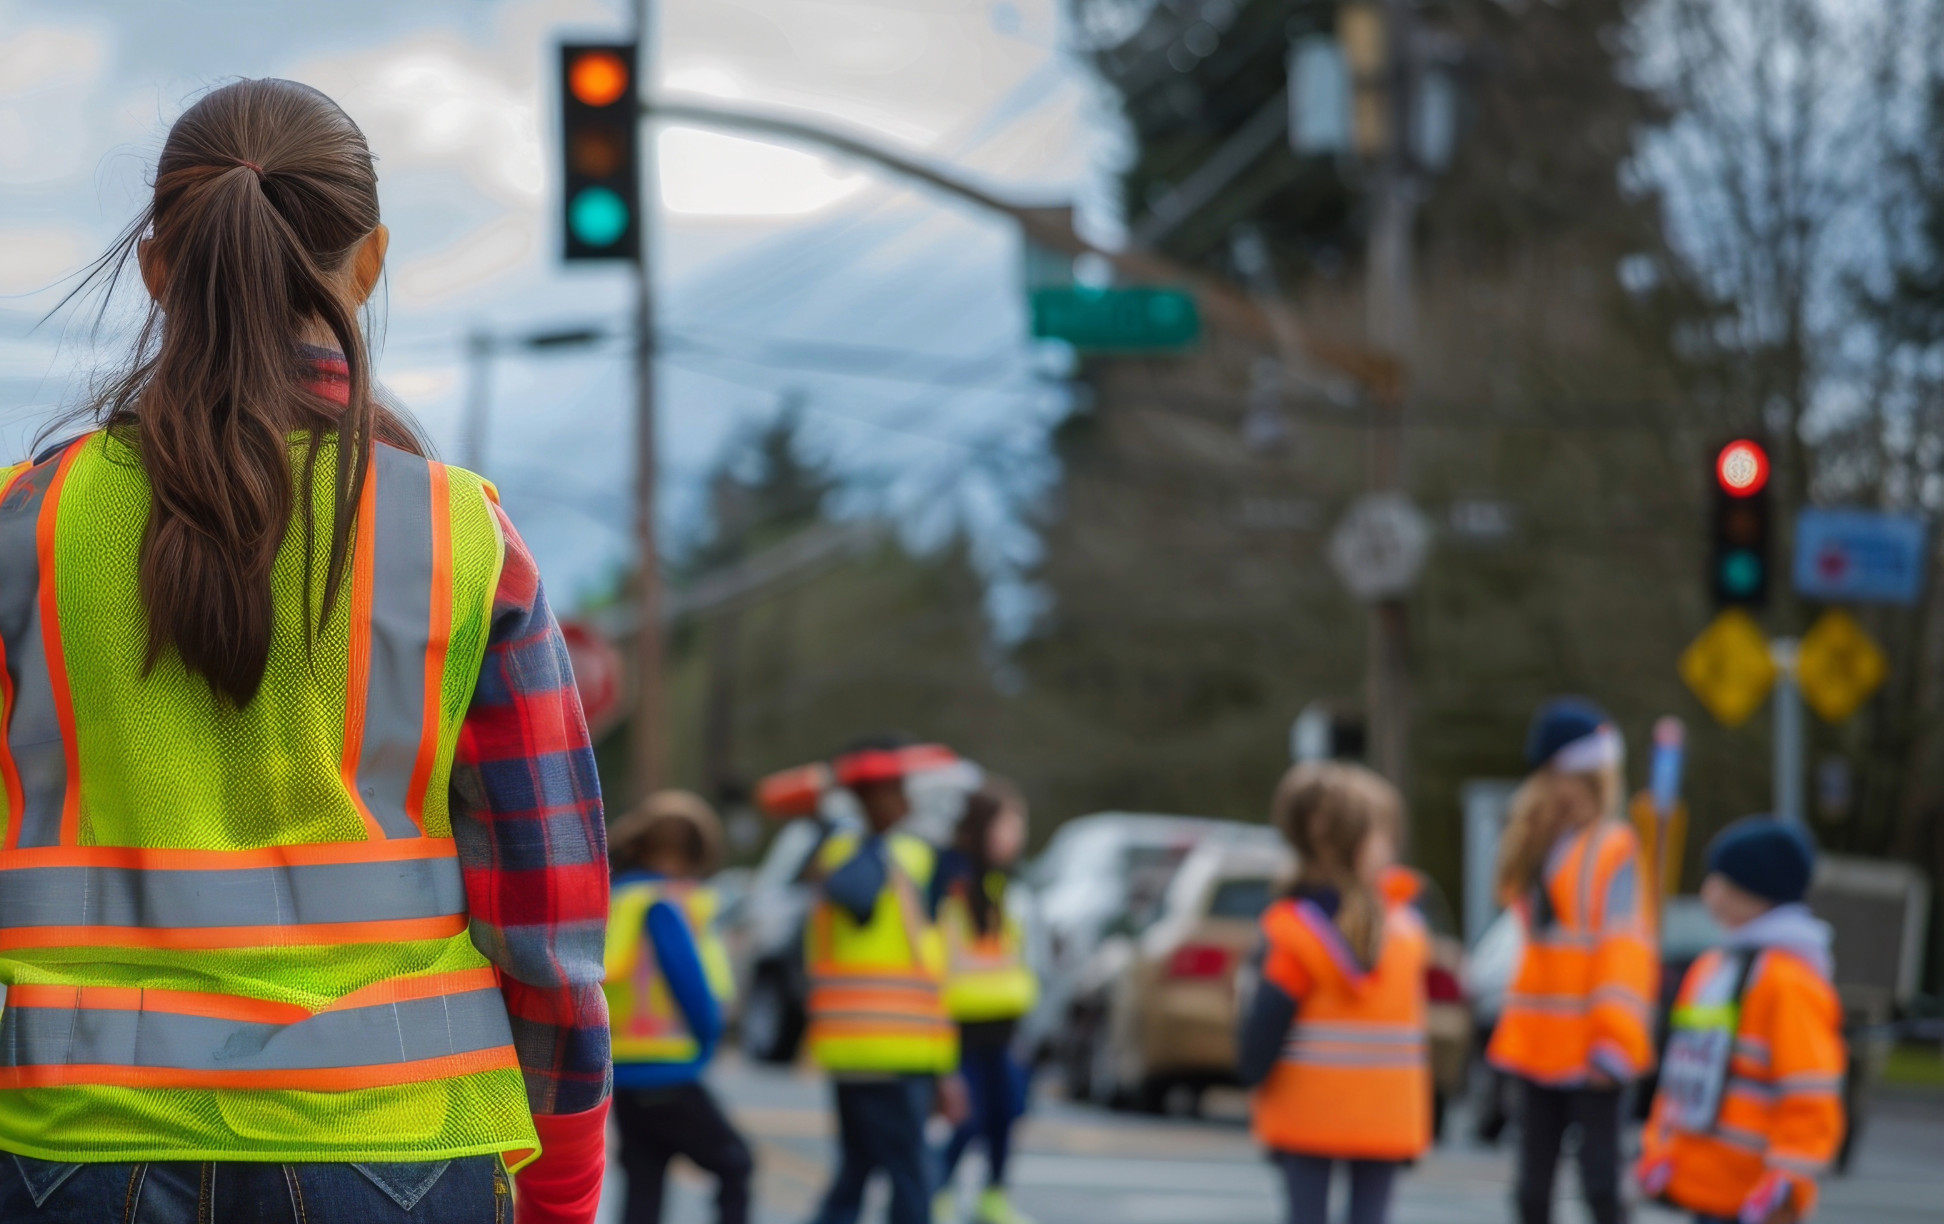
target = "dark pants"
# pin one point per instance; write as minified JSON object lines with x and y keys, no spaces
{"x":472,"y":1190}
{"x":881,"y":1125}
{"x":659,"y":1124}
{"x":1546,"y":1113}
{"x":996,"y":1085}
{"x":1306,"y":1186}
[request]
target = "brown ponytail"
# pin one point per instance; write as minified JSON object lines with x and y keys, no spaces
{"x":264,"y":189}
{"x":1326,"y":810}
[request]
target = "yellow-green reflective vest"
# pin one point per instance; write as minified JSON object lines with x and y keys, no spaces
{"x":646,"y":1023}
{"x":986,"y":976}
{"x":875,"y":987}
{"x":242,"y":934}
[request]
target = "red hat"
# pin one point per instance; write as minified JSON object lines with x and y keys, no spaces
{"x":890,"y":764}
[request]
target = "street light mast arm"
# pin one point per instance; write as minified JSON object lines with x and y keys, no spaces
{"x":1051,"y":226}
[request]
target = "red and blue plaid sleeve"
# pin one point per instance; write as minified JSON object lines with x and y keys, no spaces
{"x":526,"y":812}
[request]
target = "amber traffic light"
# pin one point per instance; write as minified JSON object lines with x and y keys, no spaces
{"x":600,"y":146}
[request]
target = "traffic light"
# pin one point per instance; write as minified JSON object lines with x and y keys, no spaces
{"x":600,"y":146}
{"x":1739,"y":559}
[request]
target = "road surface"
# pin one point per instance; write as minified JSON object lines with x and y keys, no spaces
{"x":1080,"y":1165}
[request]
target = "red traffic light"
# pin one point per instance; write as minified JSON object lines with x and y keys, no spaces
{"x":598,"y":78}
{"x":1742,"y":468}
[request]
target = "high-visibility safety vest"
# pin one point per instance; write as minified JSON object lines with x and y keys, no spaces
{"x":875,"y":987}
{"x":643,"y":1018}
{"x":1354,"y":1079}
{"x":1751,"y":1090}
{"x":1586,"y":984}
{"x":242,"y":934}
{"x":986,"y":975}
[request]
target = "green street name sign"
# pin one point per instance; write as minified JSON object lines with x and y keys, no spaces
{"x":1130,"y":320}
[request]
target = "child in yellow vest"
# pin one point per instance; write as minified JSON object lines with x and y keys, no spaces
{"x":668,"y":980}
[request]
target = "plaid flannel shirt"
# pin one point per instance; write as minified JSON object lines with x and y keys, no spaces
{"x":526,"y":812}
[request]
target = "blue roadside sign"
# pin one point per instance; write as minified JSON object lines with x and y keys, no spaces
{"x":1859,"y":556}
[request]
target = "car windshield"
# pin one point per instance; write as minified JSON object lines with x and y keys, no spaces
{"x":1245,"y":898}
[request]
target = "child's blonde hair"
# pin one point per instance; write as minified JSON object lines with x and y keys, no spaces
{"x":1550,"y":804}
{"x":1327,"y":810}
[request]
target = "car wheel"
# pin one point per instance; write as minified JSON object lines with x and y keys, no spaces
{"x":1104,"y":1086}
{"x":771,"y":1026}
{"x":1076,"y":1065}
{"x":1437,"y":1115}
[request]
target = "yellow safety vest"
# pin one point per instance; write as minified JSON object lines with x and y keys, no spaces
{"x":986,"y":976}
{"x":646,"y":1024}
{"x":875,"y":1002}
{"x":242,"y":934}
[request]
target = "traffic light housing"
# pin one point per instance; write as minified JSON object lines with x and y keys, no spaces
{"x":1738,"y":560}
{"x":600,"y":151}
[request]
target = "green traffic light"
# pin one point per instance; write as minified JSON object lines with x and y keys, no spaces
{"x":1741,"y":573}
{"x":598,"y":217}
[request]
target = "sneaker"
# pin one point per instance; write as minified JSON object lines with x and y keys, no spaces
{"x":995,"y":1208}
{"x":945,"y":1206}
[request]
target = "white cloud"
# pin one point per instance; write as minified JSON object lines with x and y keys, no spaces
{"x":48,"y":75}
{"x":729,"y":176}
{"x":481,"y":256}
{"x":33,"y":258}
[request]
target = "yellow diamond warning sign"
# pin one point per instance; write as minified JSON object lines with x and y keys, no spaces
{"x":1729,"y":667}
{"x":1838,"y":666}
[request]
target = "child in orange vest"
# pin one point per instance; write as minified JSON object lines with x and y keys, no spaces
{"x":1577,"y":1022}
{"x":1750,"y":1107}
{"x":1333,"y":1040}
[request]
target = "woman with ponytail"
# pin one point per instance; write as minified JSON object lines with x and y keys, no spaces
{"x":1333,"y":1039}
{"x":1576,"y":1027}
{"x":303,"y":879}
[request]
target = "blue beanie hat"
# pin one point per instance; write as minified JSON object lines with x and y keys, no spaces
{"x":1764,"y":856}
{"x":1564,"y":722}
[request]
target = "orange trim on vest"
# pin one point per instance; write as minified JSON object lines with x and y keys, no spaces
{"x":358,"y":675}
{"x":50,"y":613}
{"x":9,"y":772}
{"x":302,"y":854}
{"x":201,"y":938}
{"x":439,"y":641}
{"x":328,"y":1079}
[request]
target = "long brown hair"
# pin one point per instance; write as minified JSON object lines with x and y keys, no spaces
{"x":1326,"y":810}
{"x":973,"y":839}
{"x":1550,"y":804}
{"x":263,"y":190}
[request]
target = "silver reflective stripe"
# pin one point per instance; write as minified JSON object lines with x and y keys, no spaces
{"x":1558,"y":1005}
{"x":380,"y":1035}
{"x":401,"y":615}
{"x":33,"y":730}
{"x":160,"y":899}
{"x":1372,"y":1034}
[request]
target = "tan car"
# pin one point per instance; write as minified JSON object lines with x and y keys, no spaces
{"x":1154,"y":1013}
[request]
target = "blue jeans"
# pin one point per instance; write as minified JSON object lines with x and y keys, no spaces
{"x":470,"y":1190}
{"x":996,"y":1085}
{"x":1306,"y":1185}
{"x":881,"y":1125}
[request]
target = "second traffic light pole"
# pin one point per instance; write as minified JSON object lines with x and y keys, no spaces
{"x":645,"y":728}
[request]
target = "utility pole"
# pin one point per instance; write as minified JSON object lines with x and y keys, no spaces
{"x":1390,"y":324}
{"x":647,"y":741}
{"x":479,"y":398}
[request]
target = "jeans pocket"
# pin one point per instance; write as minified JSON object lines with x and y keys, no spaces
{"x":405,"y":1183}
{"x":42,"y":1177}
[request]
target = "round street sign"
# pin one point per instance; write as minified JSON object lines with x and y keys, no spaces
{"x":597,"y":674}
{"x":1380,"y":546}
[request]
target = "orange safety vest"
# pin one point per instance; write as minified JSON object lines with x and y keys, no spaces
{"x":1752,"y":1087}
{"x":1584,"y":993}
{"x":1354,"y":1080}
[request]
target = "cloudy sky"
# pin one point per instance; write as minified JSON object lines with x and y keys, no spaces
{"x":898,"y":316}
